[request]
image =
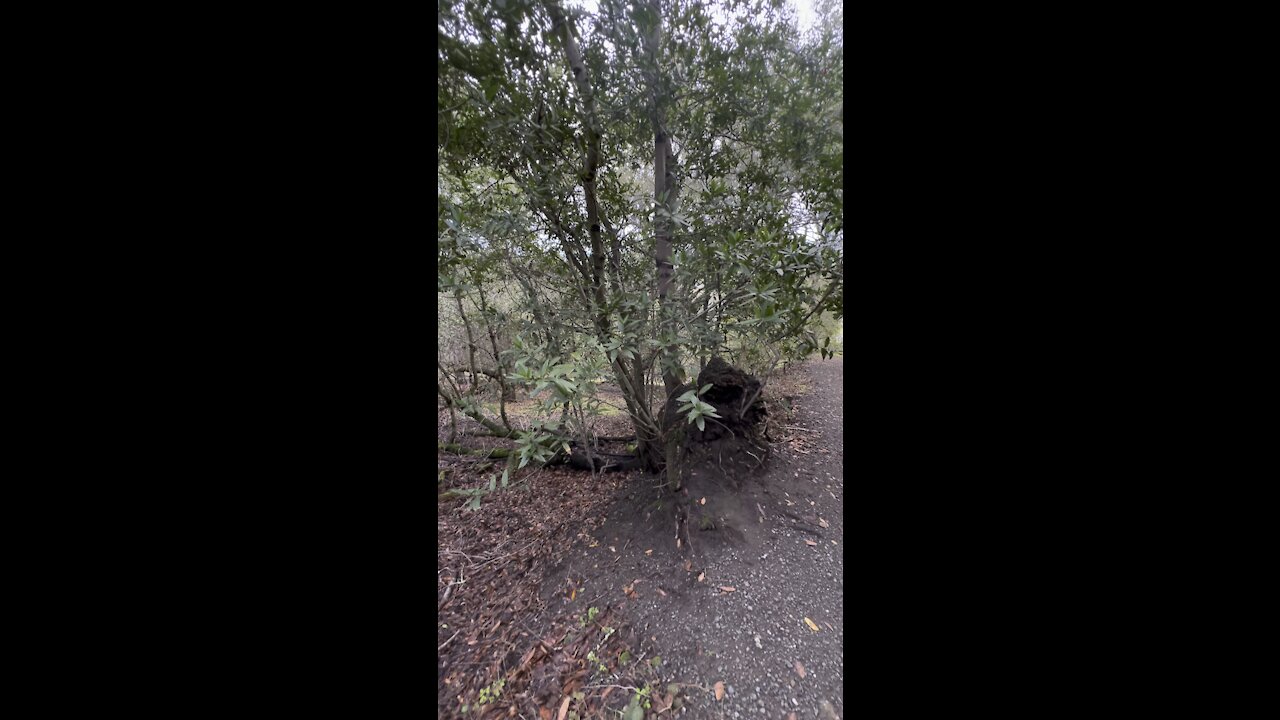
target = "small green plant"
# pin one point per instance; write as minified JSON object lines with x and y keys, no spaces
{"x":642,"y":697}
{"x":476,"y":493}
{"x":591,"y":614}
{"x":624,"y":658}
{"x":491,"y":693}
{"x":695,"y":408}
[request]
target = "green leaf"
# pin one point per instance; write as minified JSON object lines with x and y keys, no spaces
{"x":493,"y":483}
{"x":701,"y":424}
{"x":705,"y":388}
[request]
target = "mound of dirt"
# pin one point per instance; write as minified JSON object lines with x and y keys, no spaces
{"x":735,"y":442}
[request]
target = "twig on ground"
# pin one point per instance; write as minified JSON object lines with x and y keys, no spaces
{"x":446,"y":642}
{"x":802,"y":528}
{"x":620,"y":687}
{"x":513,"y":552}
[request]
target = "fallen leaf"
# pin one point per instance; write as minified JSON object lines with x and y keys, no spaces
{"x":606,"y":692}
{"x":719,"y":690}
{"x":649,"y":551}
{"x":688,"y":565}
{"x":573,"y":594}
{"x":726,"y":588}
{"x":564,"y":709}
{"x":823,"y":523}
{"x":613,"y":549}
{"x":544,"y":713}
{"x":677,"y":543}
{"x":800,"y":670}
{"x":811,"y":625}
{"x":661,"y":593}
{"x":703,"y":501}
{"x":701,"y":576}
{"x":810,"y":543}
{"x":791,"y":716}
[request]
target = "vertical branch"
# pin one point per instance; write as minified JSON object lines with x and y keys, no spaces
{"x":471,"y":343}
{"x":497,"y":357}
{"x":590,"y":162}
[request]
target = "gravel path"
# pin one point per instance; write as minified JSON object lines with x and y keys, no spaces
{"x":755,"y":639}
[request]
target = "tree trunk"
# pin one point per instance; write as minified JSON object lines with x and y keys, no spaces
{"x":664,"y":192}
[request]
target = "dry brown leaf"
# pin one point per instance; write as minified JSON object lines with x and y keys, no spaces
{"x":719,"y":690}
{"x":791,"y":716}
{"x":660,"y":592}
{"x":810,"y":543}
{"x":544,"y":713}
{"x":564,"y":709}
{"x":677,"y":543}
{"x":649,"y":551}
{"x":688,"y":565}
{"x":701,"y":576}
{"x":703,"y":501}
{"x":823,"y":523}
{"x":811,"y":625}
{"x":800,"y":670}
{"x":726,"y":588}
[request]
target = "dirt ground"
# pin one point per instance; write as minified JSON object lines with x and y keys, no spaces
{"x":742,"y":619}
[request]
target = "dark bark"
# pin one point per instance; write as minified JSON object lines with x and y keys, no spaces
{"x":665,"y":193}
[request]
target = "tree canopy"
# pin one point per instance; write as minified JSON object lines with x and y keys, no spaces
{"x":629,"y":191}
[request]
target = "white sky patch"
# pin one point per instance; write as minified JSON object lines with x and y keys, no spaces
{"x":805,"y":16}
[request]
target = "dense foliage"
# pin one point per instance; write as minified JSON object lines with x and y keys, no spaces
{"x":626,"y":192}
